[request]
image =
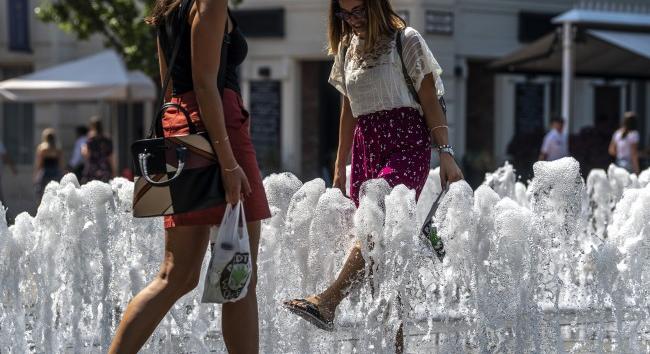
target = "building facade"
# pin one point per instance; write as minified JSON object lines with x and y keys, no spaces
{"x":26,"y":45}
{"x":288,"y":67}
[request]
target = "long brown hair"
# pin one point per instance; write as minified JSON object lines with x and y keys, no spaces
{"x":629,"y":123}
{"x":382,"y":21}
{"x":161,"y":10}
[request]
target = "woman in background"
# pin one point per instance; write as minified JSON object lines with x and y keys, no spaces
{"x":48,"y":165}
{"x":98,"y":155}
{"x":625,"y":144}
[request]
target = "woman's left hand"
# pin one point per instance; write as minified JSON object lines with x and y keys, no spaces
{"x":449,"y":170}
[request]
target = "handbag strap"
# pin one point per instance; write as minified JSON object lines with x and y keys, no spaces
{"x":407,"y":77}
{"x":156,"y":124}
{"x":182,"y":17}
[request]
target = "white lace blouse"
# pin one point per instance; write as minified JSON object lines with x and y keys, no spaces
{"x":375,"y":82}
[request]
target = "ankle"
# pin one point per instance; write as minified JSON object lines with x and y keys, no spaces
{"x":328,"y":301}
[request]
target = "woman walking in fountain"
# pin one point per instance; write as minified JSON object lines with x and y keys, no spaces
{"x":48,"y":165}
{"x":194,"y":79}
{"x":389,"y":132}
{"x":625,"y":144}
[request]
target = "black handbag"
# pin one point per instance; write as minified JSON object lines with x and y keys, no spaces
{"x":177,"y":174}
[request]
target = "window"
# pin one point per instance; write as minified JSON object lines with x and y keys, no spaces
{"x":533,"y":26}
{"x":18,"y":124}
{"x":19,"y":25}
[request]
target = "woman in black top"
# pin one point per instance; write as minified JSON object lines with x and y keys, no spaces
{"x":98,"y":155}
{"x":220,"y":112}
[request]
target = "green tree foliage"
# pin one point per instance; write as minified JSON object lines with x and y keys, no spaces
{"x":119,"y":22}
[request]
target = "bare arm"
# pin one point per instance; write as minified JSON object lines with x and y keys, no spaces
{"x":10,"y":162}
{"x":346,"y":133}
{"x":635,"y":158}
{"x":163,"y":73}
{"x":435,"y":119}
{"x":208,"y":27}
{"x":38,"y":161}
{"x":62,"y":166}
{"x":612,"y":148}
{"x":84,"y":152}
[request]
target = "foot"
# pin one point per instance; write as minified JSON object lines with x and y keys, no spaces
{"x":326,"y":309}
{"x":313,"y":309}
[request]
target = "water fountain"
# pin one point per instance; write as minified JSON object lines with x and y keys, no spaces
{"x":560,"y":265}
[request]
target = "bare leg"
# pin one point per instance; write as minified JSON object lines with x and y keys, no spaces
{"x":399,"y":340}
{"x":351,"y":273}
{"x":239,"y":321}
{"x":179,"y":274}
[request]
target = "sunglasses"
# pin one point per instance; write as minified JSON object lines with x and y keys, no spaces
{"x":358,"y":13}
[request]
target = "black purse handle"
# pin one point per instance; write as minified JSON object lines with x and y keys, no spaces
{"x":156,"y":129}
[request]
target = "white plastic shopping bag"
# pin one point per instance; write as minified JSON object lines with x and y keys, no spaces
{"x":230,"y":269}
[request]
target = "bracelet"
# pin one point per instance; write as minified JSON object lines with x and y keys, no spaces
{"x":217,"y":142}
{"x":440,"y":126}
{"x":231,"y":169}
{"x":441,"y":147}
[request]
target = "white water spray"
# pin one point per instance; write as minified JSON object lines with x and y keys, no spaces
{"x":562,"y":265}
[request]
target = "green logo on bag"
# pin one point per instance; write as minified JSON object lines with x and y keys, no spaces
{"x":235,"y":276}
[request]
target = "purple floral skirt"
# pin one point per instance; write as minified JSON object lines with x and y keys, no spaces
{"x":393,"y":145}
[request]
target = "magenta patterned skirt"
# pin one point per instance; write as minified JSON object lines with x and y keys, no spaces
{"x":393,"y":145}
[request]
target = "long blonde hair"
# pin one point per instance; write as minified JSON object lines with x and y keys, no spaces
{"x":48,"y":139}
{"x":382,"y":21}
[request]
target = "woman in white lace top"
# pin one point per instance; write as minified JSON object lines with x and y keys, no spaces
{"x":388,"y":124}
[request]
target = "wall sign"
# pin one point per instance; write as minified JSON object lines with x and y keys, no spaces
{"x":439,"y":22}
{"x":529,"y":108}
{"x":264,"y":23}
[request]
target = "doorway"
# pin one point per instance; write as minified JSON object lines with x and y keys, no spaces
{"x":479,"y":130}
{"x":321,"y":104}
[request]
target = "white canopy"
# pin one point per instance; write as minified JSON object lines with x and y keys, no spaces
{"x":101,"y":76}
{"x":593,"y":18}
{"x":599,"y":53}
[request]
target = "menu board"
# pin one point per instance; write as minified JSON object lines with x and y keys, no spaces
{"x":529,"y":108}
{"x":266,"y":112}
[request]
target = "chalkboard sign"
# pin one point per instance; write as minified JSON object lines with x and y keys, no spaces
{"x":266,"y":110}
{"x":529,"y":108}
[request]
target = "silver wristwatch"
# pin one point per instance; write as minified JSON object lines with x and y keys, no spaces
{"x":447,"y":149}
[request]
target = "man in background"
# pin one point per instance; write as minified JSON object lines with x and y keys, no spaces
{"x":76,"y":163}
{"x":554,"y":146}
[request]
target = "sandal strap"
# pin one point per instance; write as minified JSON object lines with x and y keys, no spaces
{"x":310,"y":307}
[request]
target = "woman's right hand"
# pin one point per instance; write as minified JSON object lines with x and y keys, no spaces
{"x":236,"y":185}
{"x":340,"y":178}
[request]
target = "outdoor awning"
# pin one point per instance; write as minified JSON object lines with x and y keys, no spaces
{"x":98,"y":77}
{"x":601,"y":53}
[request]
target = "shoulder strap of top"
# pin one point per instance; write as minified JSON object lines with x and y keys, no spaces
{"x":182,"y":16}
{"x":405,"y":72}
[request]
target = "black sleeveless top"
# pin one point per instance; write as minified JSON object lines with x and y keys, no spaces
{"x":182,"y":71}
